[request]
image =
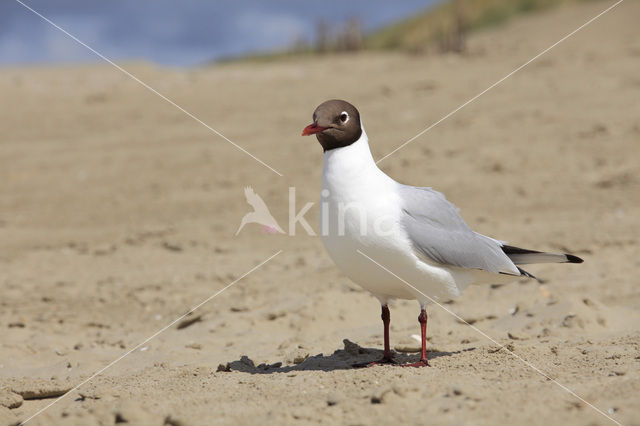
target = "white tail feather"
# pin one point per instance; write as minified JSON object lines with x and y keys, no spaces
{"x":529,"y":258}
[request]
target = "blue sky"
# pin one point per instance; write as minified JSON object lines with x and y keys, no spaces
{"x":176,"y":32}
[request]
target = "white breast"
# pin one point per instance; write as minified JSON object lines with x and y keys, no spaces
{"x":360,"y":210}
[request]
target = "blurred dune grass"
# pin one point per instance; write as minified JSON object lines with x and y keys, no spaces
{"x":436,"y":25}
{"x":442,"y":28}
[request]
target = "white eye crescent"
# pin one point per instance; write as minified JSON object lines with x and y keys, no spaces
{"x":344,"y":117}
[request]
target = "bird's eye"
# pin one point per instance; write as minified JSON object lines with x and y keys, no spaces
{"x":344,"y":117}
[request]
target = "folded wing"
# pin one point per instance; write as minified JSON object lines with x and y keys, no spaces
{"x":439,"y":233}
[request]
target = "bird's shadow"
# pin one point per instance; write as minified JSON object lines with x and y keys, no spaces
{"x":350,"y":357}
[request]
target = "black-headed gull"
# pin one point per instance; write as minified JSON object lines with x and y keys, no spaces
{"x":413,"y":232}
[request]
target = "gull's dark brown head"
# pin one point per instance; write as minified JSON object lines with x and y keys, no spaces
{"x":336,"y":124}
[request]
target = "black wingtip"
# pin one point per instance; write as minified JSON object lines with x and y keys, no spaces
{"x":528,"y":275}
{"x":573,"y":259}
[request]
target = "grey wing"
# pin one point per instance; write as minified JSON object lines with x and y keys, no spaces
{"x":437,"y":231}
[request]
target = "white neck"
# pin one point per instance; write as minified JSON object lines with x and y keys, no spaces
{"x":350,"y":161}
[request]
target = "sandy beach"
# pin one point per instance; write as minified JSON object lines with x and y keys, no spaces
{"x":118,"y":213}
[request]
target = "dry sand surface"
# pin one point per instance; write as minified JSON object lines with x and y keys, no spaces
{"x":118,"y":214}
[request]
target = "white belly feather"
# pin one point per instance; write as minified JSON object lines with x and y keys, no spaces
{"x":360,"y":211}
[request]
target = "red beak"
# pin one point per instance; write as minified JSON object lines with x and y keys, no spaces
{"x":312,"y":129}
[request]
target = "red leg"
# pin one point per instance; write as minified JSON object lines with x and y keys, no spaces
{"x":386,"y":320}
{"x":422,"y":318}
{"x":387,"y":358}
